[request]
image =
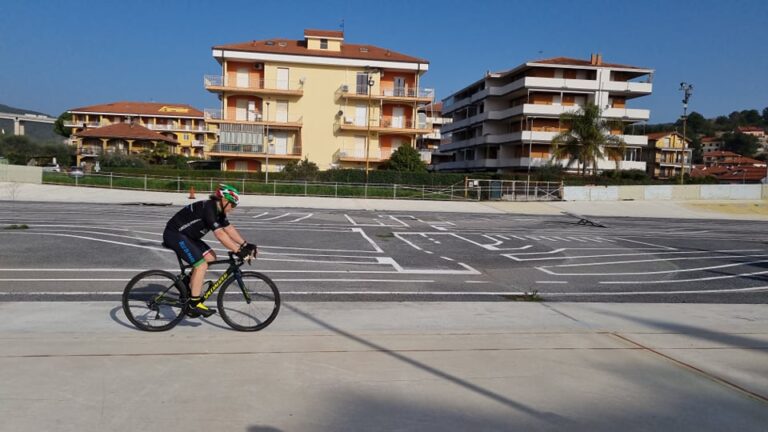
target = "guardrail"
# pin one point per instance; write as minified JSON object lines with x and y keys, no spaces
{"x":456,"y":192}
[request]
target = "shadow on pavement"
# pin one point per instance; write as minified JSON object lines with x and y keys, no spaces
{"x":549,"y":417}
{"x":113,"y":313}
{"x":736,"y":341}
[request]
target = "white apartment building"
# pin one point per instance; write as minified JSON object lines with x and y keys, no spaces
{"x":506,"y":121}
{"x":428,"y":144}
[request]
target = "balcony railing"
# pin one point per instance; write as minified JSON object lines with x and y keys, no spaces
{"x":358,"y":154}
{"x":382,"y":124}
{"x":198,"y":143}
{"x":270,"y":86}
{"x":177,"y":127}
{"x":387,"y":92}
{"x":213,"y":114}
{"x":80,"y":124}
{"x":256,"y":150}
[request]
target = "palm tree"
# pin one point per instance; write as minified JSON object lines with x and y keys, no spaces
{"x":587,"y":139}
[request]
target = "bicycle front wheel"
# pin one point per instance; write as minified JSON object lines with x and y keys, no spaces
{"x":252,"y":306}
{"x":152,"y":302}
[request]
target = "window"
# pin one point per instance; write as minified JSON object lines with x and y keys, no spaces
{"x":241,"y":165}
{"x":323,"y":43}
{"x":185,"y":137}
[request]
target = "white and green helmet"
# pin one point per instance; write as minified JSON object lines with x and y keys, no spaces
{"x":227,"y":192}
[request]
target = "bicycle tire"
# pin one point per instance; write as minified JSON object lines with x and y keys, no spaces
{"x":261,"y":310}
{"x":139,"y":301}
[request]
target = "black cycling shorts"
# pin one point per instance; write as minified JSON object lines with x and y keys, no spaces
{"x":188,"y":249}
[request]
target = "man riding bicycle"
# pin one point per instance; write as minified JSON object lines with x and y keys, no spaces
{"x":185,"y":230}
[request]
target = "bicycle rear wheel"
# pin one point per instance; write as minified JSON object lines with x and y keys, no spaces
{"x":251,"y":307}
{"x":152,"y":302}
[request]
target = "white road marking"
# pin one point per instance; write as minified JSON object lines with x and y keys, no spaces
{"x":447,"y":259}
{"x":439,"y":228}
{"x":654,"y":272}
{"x":365,"y":236}
{"x":668,"y":281}
{"x":394,"y":218}
{"x":260,"y":215}
{"x":276,"y":217}
{"x":647,"y":244}
{"x":551,"y":282}
{"x":476,"y":282}
{"x":513,"y":257}
{"x":578,"y":239}
{"x":406,"y":241}
{"x":384,"y":293}
{"x":634,"y":293}
{"x":304,"y":217}
{"x":605,"y":263}
{"x":400,"y":269}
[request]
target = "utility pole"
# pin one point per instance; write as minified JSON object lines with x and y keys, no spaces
{"x":687,"y":90}
{"x":368,"y":123}
{"x":266,"y":144}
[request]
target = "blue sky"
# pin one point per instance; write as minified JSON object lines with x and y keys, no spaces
{"x":57,"y":55}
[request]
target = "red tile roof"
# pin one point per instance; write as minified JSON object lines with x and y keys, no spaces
{"x":750,"y":129}
{"x":720,"y":153}
{"x":299,"y":47}
{"x":578,"y":62}
{"x":324,"y":33}
{"x":745,"y":173}
{"x":125,"y":131}
{"x":143,"y":108}
{"x":658,"y":135}
{"x":711,"y":139}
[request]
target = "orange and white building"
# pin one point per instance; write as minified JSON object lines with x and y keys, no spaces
{"x":335,"y":103}
{"x":181,"y":126}
{"x":506,"y":120}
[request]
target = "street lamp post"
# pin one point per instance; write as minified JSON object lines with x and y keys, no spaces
{"x":266,"y":143}
{"x":687,"y":90}
{"x":368,"y":123}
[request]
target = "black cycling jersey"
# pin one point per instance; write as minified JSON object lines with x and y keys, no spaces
{"x":196,"y":219}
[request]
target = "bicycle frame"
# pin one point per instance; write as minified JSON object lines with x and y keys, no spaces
{"x":233,"y":269}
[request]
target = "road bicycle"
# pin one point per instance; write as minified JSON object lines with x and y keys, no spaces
{"x":156,"y":300}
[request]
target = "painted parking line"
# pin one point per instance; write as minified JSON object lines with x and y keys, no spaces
{"x":674,"y":271}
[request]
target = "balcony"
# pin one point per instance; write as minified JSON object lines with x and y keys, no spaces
{"x":89,"y":151}
{"x":81,"y":124}
{"x":385,"y":125}
{"x":356,"y":154}
{"x":177,"y":127}
{"x":254,"y":151}
{"x":629,"y":114}
{"x":214,"y":115}
{"x":198,"y":143}
{"x":387,"y":94}
{"x":219,"y":83}
{"x":525,"y":137}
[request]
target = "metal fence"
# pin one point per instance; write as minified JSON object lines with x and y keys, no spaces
{"x":472,"y":190}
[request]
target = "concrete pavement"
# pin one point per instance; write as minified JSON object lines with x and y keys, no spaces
{"x":731,"y":210}
{"x":390,"y":366}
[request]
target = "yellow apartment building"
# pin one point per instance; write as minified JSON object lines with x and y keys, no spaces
{"x":182,"y":127}
{"x":340,"y":105}
{"x":668,"y":153}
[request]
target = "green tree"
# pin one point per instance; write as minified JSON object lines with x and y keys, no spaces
{"x":751,"y":117}
{"x":406,"y":158}
{"x":301,"y":170}
{"x":58,"y":125}
{"x":765,"y":115}
{"x":740,"y":143}
{"x":587,"y":139}
{"x":18,"y":149}
{"x":696,"y":125}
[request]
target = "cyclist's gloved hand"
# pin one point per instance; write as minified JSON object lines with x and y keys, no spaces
{"x":246,"y":250}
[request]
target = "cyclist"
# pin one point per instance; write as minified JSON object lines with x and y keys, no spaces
{"x":185,"y":230}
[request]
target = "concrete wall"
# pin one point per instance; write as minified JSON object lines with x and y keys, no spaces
{"x":666,"y":192}
{"x":21,"y":174}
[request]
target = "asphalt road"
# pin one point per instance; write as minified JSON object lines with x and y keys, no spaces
{"x":80,"y":252}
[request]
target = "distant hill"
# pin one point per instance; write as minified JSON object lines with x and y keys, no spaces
{"x":12,"y":110}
